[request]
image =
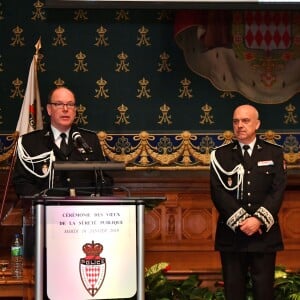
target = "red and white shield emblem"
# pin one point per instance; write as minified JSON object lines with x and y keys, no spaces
{"x":92,"y":268}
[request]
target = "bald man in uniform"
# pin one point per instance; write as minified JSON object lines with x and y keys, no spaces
{"x":248,"y":179}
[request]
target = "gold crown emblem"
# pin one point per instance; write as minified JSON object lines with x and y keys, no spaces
{"x":92,"y":249}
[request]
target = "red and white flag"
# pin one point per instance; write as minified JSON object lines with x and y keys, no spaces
{"x":30,"y":118}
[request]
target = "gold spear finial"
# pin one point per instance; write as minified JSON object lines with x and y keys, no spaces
{"x":38,"y":46}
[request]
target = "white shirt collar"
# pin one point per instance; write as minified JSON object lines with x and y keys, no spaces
{"x":56,"y":134}
{"x":251,"y":145}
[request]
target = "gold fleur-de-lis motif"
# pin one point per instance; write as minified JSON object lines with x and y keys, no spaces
{"x":291,"y":116}
{"x":1,"y":65}
{"x":17,"y":40}
{"x":185,"y":91}
{"x":101,"y":91}
{"x":17,"y":91}
{"x":164,"y":65}
{"x":80,"y":118}
{"x":101,"y":40}
{"x":122,"y":117}
{"x":143,"y":91}
{"x":227,"y":94}
{"x":80,"y":65}
{"x":1,"y":12}
{"x":80,"y":15}
{"x":207,"y":118}
{"x":122,"y":15}
{"x":59,"y":40}
{"x":38,"y":14}
{"x":59,"y":82}
{"x":122,"y":65}
{"x":164,"y":15}
{"x":143,"y":40}
{"x":40,"y":65}
{"x":165,"y":118}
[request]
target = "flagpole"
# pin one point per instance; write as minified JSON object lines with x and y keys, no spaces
{"x":38,"y":46}
{"x":12,"y":165}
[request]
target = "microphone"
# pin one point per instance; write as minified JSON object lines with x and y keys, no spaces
{"x":81,"y":143}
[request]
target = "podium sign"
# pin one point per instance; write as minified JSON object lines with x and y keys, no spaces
{"x":91,"y":252}
{"x":94,"y":247}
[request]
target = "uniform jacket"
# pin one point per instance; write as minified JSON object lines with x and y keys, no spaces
{"x":264,"y":185}
{"x":41,"y":141}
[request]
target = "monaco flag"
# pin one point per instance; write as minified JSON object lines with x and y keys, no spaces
{"x":30,"y":118}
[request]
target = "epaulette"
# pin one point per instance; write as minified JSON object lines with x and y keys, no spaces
{"x":223,"y":145}
{"x":272,"y":143}
{"x":86,"y":130}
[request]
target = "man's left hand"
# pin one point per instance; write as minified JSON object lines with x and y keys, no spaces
{"x":250,"y":226}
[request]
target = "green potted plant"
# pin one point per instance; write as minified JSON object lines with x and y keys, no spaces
{"x":159,"y":287}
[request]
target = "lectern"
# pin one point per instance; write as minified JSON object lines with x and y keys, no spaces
{"x":90,"y":247}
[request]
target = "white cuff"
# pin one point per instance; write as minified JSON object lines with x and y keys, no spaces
{"x":234,"y":220}
{"x":265,"y":216}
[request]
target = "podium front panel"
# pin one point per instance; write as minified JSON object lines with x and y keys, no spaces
{"x":91,"y":251}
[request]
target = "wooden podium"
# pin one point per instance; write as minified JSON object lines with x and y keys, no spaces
{"x":93,"y":246}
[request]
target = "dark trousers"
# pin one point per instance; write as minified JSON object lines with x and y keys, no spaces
{"x":261,"y":267}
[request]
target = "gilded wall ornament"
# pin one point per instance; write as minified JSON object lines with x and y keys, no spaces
{"x":185,"y":91}
{"x":59,"y":82}
{"x":80,"y":117}
{"x":227,"y":94}
{"x":164,"y":15}
{"x":38,"y":13}
{"x":143,"y":91}
{"x":207,"y":117}
{"x":80,"y":65}
{"x":291,"y":116}
{"x":164,"y":64}
{"x":59,"y":40}
{"x":143,"y":39}
{"x":17,"y":91}
{"x":1,"y":64}
{"x":1,"y":12}
{"x":164,"y":118}
{"x":101,"y":91}
{"x":101,"y":40}
{"x":17,"y":39}
{"x":174,"y":151}
{"x":122,"y":65}
{"x":122,"y":118}
{"x":122,"y":15}
{"x":80,"y":15}
{"x":40,"y":65}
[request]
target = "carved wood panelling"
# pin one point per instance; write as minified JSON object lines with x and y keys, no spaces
{"x":181,"y":230}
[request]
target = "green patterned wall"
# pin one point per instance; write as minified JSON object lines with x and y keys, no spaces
{"x":127,"y":72}
{"x":124,"y":66}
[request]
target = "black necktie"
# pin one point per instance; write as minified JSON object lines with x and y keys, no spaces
{"x":247,"y":158}
{"x":63,"y":145}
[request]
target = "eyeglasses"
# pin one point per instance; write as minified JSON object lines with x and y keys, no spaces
{"x":61,"y":105}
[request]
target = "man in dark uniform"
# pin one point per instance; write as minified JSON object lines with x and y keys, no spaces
{"x":247,"y":188}
{"x":37,"y":150}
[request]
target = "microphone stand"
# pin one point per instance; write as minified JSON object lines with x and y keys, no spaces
{"x":99,"y":189}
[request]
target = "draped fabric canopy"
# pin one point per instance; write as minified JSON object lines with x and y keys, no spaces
{"x":255,"y":53}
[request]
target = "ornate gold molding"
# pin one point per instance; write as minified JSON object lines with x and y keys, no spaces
{"x":168,"y":151}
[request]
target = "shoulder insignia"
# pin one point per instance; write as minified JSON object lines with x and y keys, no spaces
{"x":223,"y":145}
{"x":272,"y":143}
{"x":86,"y":130}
